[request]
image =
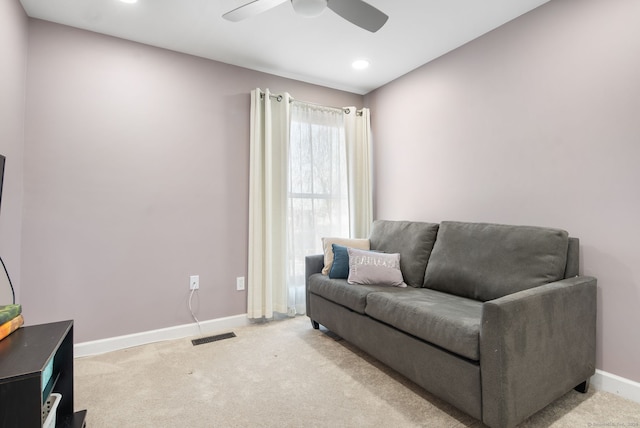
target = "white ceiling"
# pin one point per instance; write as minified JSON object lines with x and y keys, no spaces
{"x":316,"y":50}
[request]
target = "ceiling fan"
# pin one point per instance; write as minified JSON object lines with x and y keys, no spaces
{"x":357,"y":12}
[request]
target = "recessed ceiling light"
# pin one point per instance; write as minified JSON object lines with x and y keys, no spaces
{"x":129,"y":1}
{"x":360,"y":64}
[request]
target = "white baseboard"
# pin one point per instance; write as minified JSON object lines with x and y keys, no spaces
{"x":617,"y":385}
{"x":121,"y":342}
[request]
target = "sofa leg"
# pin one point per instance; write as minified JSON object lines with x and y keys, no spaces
{"x":315,"y":325}
{"x":583,"y":387}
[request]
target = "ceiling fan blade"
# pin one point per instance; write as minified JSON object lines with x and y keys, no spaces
{"x":359,"y":13}
{"x":251,"y":9}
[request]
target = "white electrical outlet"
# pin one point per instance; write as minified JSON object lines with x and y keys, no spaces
{"x":194,"y":282}
{"x":240,"y":283}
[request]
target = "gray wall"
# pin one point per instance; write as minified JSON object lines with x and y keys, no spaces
{"x":537,"y":123}
{"x":136,"y":176}
{"x":13,"y":71}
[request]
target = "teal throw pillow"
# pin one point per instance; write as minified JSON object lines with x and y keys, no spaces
{"x":340,"y":266}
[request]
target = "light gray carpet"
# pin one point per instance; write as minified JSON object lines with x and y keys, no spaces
{"x":285,"y":374}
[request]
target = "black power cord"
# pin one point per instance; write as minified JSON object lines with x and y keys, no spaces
{"x":13,"y":292}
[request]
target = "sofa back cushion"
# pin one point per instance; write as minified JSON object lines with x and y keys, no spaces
{"x":487,"y":261}
{"x":573,"y":258}
{"x":411,"y":239}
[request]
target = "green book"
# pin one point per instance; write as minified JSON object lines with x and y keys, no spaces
{"x":9,"y":312}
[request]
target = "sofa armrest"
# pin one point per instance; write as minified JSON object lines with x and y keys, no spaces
{"x":535,"y":346}
{"x":312,"y":264}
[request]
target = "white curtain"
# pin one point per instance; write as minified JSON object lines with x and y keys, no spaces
{"x":269,"y":143}
{"x":310,"y":177}
{"x":318,"y":203}
{"x":358,"y":137}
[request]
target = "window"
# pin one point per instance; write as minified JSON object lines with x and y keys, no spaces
{"x":317,"y":194}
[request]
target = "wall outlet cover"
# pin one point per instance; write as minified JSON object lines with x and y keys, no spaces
{"x":194,"y":282}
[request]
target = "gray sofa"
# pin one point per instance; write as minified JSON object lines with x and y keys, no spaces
{"x":495,"y":319}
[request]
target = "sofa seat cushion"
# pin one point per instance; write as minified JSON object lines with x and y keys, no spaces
{"x":486,"y":261}
{"x":352,"y":296}
{"x":445,"y":320}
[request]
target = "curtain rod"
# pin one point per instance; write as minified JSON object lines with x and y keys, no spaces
{"x":278,"y":98}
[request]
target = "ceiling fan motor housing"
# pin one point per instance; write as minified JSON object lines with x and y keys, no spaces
{"x":309,"y":8}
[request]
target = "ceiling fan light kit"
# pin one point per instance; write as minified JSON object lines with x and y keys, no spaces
{"x":309,"y":8}
{"x":358,"y":12}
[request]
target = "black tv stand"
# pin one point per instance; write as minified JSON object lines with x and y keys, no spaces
{"x":25,"y":355}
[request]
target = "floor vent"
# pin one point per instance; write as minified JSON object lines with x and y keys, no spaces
{"x":210,"y":339}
